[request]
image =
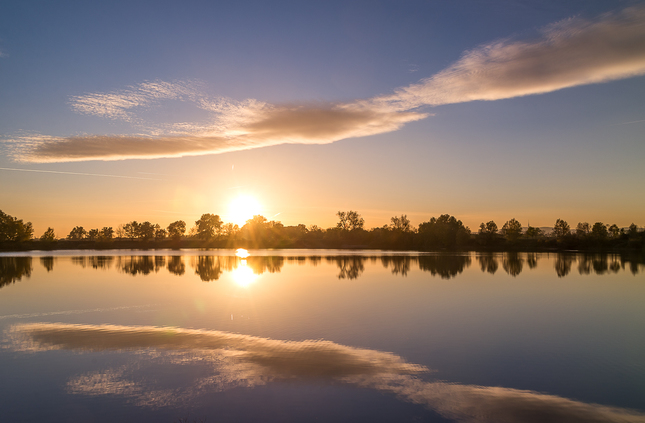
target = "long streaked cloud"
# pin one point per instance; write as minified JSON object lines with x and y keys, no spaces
{"x":569,"y":53}
{"x":267,"y":126}
{"x":235,"y":360}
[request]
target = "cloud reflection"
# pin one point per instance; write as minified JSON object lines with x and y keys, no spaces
{"x":242,"y":360}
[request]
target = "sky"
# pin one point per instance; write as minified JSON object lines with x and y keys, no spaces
{"x":164,"y":110}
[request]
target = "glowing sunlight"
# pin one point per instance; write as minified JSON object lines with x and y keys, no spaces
{"x":243,"y":275}
{"x":243,"y":208}
{"x":242,"y":253}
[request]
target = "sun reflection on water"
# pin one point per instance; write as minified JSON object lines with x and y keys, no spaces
{"x":242,"y":253}
{"x":243,"y":275}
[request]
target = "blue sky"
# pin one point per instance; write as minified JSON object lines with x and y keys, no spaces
{"x":481,"y":109}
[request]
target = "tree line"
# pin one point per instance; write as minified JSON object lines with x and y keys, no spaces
{"x":443,"y":233}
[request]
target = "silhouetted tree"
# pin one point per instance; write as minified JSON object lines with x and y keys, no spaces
{"x":131,"y":229}
{"x":13,"y":229}
{"x":93,"y":234}
{"x":107,"y":233}
{"x":582,"y":229}
{"x":229,"y":230}
{"x":633,"y":230}
{"x":160,"y":234}
{"x":599,"y":231}
{"x":77,"y":233}
{"x":255,"y":230}
{"x":532,"y":232}
{"x":120,"y":231}
{"x":48,"y":236}
{"x":349,"y":221}
{"x":561,"y":229}
{"x":488,"y":232}
{"x":146,"y":230}
{"x":208,"y":226}
{"x":176,"y":230}
{"x":512,"y":230}
{"x":443,"y":232}
{"x":401,"y":224}
{"x":614,"y":231}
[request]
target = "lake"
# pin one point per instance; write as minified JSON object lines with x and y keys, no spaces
{"x":320,"y":335}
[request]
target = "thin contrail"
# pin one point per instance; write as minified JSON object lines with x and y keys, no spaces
{"x":627,"y":123}
{"x":78,"y":173}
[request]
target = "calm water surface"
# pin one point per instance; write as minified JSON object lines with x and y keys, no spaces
{"x":284,"y":336}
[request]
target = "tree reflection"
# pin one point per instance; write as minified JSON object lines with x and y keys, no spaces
{"x":176,"y":265}
{"x":261,"y":264}
{"x":584,"y":264}
{"x":399,"y":264}
{"x":512,"y":264}
{"x":160,"y":261}
{"x":350,"y":267}
{"x":208,"y":268}
{"x":445,"y":266}
{"x":95,"y":262}
{"x":488,"y":263}
{"x":48,"y":263}
{"x":563,"y":264}
{"x":138,"y":265}
{"x":531,"y":260}
{"x":300,"y":260}
{"x":599,"y":264}
{"x":614,"y":266}
{"x":314,"y":260}
{"x":12,"y":269}
{"x":634,"y":261}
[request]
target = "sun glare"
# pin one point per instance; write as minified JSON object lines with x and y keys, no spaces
{"x":243,"y":275}
{"x":243,"y":208}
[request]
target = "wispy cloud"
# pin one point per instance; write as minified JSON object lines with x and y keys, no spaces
{"x":120,"y":104}
{"x":234,"y":360}
{"x":569,"y":53}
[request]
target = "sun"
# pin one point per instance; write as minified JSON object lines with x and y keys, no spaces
{"x":243,"y":208}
